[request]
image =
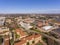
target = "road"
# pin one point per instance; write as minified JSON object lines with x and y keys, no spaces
{"x":51,"y":37}
{"x":43,"y":34}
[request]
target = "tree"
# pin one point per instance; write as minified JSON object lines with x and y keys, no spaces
{"x":28,"y":43}
{"x":33,"y":41}
{"x":1,"y":40}
{"x":38,"y":44}
{"x":16,"y":35}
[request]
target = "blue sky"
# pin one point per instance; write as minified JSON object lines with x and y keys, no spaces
{"x":29,"y":6}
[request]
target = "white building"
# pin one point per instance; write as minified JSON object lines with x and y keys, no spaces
{"x":2,"y":20}
{"x":47,"y":27}
{"x":2,"y":29}
{"x":25,"y":25}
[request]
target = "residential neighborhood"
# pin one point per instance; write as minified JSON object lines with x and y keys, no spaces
{"x":27,"y":30}
{"x":29,"y":22}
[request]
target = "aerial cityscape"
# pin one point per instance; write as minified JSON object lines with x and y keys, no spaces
{"x":30,"y":29}
{"x":29,"y":22}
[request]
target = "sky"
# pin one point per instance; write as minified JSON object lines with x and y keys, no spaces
{"x":29,"y":6}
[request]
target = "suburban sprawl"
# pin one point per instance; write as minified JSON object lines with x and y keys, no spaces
{"x":29,"y":29}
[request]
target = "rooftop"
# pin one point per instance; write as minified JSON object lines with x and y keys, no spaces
{"x":47,"y":27}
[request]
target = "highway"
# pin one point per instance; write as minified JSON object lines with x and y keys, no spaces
{"x":51,"y":37}
{"x":43,"y":34}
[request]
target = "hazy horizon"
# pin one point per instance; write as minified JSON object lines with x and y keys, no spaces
{"x":30,"y":6}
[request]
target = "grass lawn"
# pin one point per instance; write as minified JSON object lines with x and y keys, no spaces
{"x":39,"y":43}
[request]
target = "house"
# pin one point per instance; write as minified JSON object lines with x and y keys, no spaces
{"x":6,"y":42}
{"x":37,"y":38}
{"x":31,"y":40}
{"x":18,"y":19}
{"x":24,"y":38}
{"x":29,"y":20}
{"x":4,"y":32}
{"x":21,"y":33}
{"x":40,"y":24}
{"x":8,"y":21}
